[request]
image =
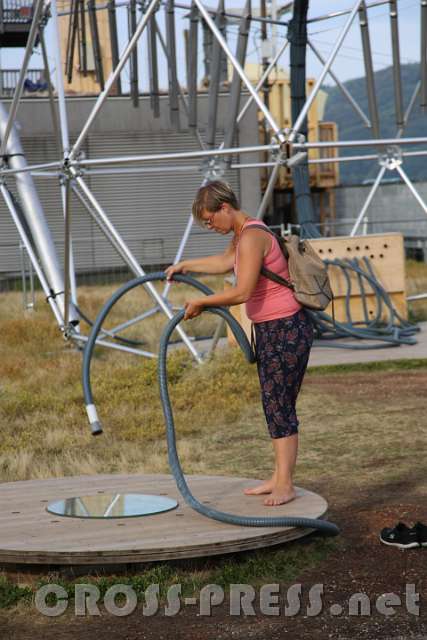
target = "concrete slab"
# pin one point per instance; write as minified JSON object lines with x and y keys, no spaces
{"x":328,"y":356}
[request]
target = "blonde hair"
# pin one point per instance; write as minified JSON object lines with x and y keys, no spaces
{"x":211,"y":196}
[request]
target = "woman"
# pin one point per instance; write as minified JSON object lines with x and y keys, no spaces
{"x":283,"y":330}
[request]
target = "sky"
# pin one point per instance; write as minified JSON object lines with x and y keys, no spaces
{"x":348,"y":63}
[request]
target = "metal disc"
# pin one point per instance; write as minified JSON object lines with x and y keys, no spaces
{"x":112,"y":505}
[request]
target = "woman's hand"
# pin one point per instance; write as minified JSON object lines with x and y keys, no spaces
{"x":193,"y":308}
{"x":179,"y":267}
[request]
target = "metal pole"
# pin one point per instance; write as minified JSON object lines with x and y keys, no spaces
{"x":345,"y":12}
{"x":341,"y":86}
{"x":65,"y":188}
{"x":29,"y":168}
{"x":368,"y":201}
{"x":112,"y":23}
{"x":215,"y":77}
{"x":301,"y":117}
{"x":235,"y":89}
{"x":262,"y":80}
{"x":34,"y":215}
{"x":180,"y":155}
{"x":59,"y":80}
{"x":133,"y":59}
{"x":131,"y":260}
{"x":411,"y":187}
{"x":93,"y":24}
{"x":192,"y":67}
{"x":397,"y":75}
{"x":172,"y":74}
{"x":25,"y":240}
{"x":423,"y":56}
{"x":239,"y":69}
{"x":118,"y":347}
{"x":369,"y":71}
{"x":54,"y":115}
{"x":20,"y":84}
{"x":153,"y":66}
{"x":112,"y":78}
{"x":268,"y":192}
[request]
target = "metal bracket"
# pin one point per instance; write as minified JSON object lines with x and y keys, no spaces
{"x":286,"y":155}
{"x":213,"y":168}
{"x":391,"y":159}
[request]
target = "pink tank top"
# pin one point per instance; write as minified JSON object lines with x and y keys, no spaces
{"x":270,"y":300}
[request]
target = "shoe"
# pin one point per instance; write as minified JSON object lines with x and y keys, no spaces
{"x":401,"y":536}
{"x":421,"y":530}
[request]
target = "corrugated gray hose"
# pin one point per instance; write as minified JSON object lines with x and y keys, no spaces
{"x":311,"y":523}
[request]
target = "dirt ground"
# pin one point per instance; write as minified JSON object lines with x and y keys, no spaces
{"x":359,"y":564}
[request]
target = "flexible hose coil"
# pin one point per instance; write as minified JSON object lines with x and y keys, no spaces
{"x":312,"y":523}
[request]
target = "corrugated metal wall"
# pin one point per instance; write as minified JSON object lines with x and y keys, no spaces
{"x":150,"y":211}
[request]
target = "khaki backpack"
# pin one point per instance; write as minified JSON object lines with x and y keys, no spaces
{"x":308,"y":273}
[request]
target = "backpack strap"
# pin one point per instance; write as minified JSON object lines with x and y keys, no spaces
{"x":266,"y":272}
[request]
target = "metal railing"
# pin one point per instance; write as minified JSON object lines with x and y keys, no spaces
{"x":9,"y":78}
{"x":16,"y":11}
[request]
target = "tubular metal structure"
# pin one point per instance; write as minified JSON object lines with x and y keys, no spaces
{"x":72,"y":168}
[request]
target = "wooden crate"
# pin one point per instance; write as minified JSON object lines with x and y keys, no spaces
{"x":387,"y":258}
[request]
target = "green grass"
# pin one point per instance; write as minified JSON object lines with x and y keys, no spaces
{"x":274,"y":565}
{"x":381,"y":365}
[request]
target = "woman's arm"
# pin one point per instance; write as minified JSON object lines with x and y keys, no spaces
{"x":252,"y":248}
{"x":221,"y":263}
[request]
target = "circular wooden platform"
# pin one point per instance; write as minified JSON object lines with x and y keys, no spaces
{"x":31,"y":535}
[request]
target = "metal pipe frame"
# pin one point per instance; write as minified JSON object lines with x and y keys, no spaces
{"x":130,"y":259}
{"x":267,"y":115}
{"x":411,"y":187}
{"x":26,"y":242}
{"x":345,"y":12}
{"x":180,"y":155}
{"x":113,"y":345}
{"x":304,"y":111}
{"x":23,"y":71}
{"x":341,"y":87}
{"x":112,"y":77}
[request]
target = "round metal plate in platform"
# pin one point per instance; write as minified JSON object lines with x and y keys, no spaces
{"x":112,"y":505}
{"x":30,"y":535}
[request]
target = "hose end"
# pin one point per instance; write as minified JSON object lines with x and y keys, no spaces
{"x":96,"y":428}
{"x":95,"y":424}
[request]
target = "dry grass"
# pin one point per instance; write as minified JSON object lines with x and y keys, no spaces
{"x":219,"y":419}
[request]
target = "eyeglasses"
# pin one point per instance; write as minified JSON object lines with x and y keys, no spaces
{"x":209,"y":221}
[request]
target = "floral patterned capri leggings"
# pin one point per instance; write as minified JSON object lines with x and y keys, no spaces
{"x":282,"y":349}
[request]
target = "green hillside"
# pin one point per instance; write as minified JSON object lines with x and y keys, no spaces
{"x":351,"y":127}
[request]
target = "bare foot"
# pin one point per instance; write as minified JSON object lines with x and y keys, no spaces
{"x":280,"y":496}
{"x":265,"y":487}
